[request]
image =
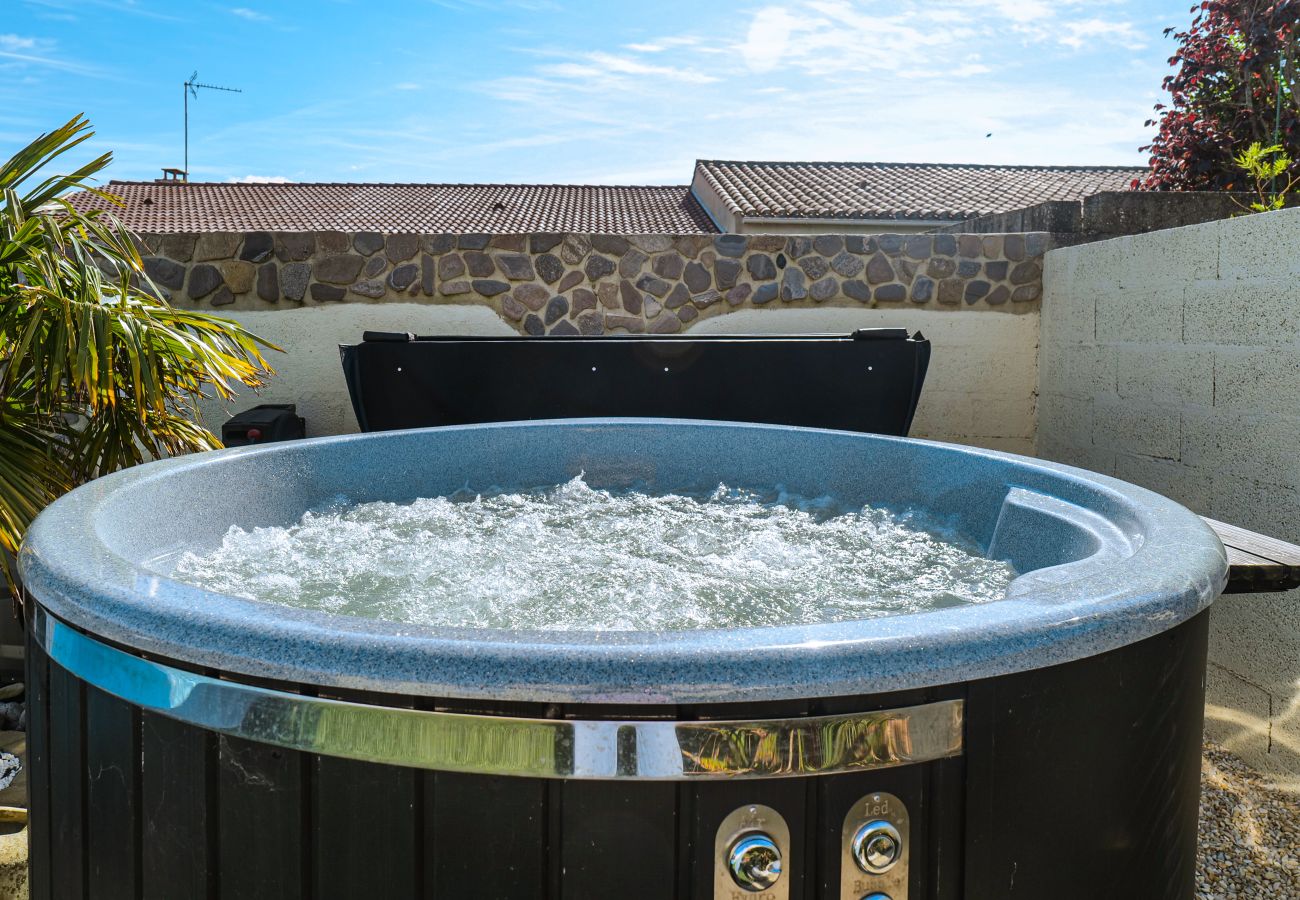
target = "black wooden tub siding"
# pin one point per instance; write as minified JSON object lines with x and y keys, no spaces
{"x":1078,"y":781}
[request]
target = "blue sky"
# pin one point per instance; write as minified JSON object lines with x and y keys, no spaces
{"x":584,"y":91}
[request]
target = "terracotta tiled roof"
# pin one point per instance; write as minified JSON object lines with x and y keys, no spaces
{"x":153,"y":207}
{"x":839,"y":190}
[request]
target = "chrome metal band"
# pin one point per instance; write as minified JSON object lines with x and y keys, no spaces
{"x":498,"y":745}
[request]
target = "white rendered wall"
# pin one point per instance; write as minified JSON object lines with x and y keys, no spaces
{"x":980,"y":389}
{"x":309,"y":373}
{"x":1172,"y":360}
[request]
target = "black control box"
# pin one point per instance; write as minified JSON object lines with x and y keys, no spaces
{"x":264,"y":424}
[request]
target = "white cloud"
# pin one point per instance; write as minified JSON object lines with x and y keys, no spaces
{"x":251,"y":15}
{"x":1078,"y":34}
{"x":261,"y":179}
{"x":767,"y":39}
{"x":406,"y":86}
{"x":602,"y":65}
{"x":14,"y":43}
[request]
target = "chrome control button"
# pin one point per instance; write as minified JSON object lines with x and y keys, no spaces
{"x":877,"y":847}
{"x":755,"y":862}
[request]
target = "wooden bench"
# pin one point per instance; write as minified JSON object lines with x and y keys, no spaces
{"x":1256,"y":563}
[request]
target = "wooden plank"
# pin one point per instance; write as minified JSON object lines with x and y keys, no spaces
{"x":488,"y":835}
{"x":38,"y":771}
{"x":262,"y":853}
{"x":1258,"y":544}
{"x":112,"y":797}
{"x":67,"y":786}
{"x":364,"y":830}
{"x":1257,"y":563}
{"x":178,"y":794}
{"x":603,"y":826}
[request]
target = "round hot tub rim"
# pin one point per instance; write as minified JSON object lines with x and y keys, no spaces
{"x":1175,"y":570}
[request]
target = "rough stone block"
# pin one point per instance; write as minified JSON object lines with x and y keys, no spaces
{"x":515,"y":243}
{"x":258,"y":246}
{"x":814,"y":266}
{"x":574,"y":248}
{"x":544,"y":242}
{"x":438,"y":244}
{"x":372,"y":289}
{"x":294,"y":246}
{"x":571,"y":280}
{"x":550,"y":268}
{"x":599,"y":267}
{"x":341,"y":268}
{"x":294,"y":277}
{"x":730,"y":245}
{"x":610,"y":244}
{"x":327,"y":293}
{"x":165,"y":272}
{"x":403,"y":276}
{"x":630,"y":296}
{"x":652,"y":243}
{"x":179,"y":247}
{"x":512,"y":309}
{"x":793,"y":286}
{"x":401,"y":247}
{"x":204,"y":279}
{"x":238,"y":275}
{"x":629,"y":265}
{"x":216,"y":245}
{"x":669,"y":265}
{"x":556,"y":309}
{"x":666,"y":324}
{"x":725,"y":273}
{"x":516,"y":266}
{"x":761,"y":267}
{"x":367,"y":243}
{"x":632,"y":324}
{"x":268,"y":282}
{"x":480,"y":265}
{"x":846,"y":264}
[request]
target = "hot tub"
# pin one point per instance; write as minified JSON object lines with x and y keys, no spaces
{"x":1047,"y":745}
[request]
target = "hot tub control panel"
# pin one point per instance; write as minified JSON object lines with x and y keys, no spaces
{"x":874,"y":849}
{"x":751,"y":852}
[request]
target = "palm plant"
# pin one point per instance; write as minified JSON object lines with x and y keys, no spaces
{"x":97,"y":371}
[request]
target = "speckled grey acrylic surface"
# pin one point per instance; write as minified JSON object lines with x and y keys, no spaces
{"x":1105,"y":563}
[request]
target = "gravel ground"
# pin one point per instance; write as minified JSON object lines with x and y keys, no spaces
{"x":1250,"y":834}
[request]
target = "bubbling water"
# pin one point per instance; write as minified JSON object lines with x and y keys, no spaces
{"x":573,"y":557}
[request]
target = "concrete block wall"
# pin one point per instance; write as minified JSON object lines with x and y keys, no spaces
{"x":1172,"y":360}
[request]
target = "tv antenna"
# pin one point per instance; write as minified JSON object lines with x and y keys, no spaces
{"x":192,"y":87}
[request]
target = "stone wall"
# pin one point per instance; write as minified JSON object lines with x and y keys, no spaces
{"x":598,"y":284}
{"x":1172,"y":359}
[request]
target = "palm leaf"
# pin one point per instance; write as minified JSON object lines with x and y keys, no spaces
{"x":85,"y":339}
